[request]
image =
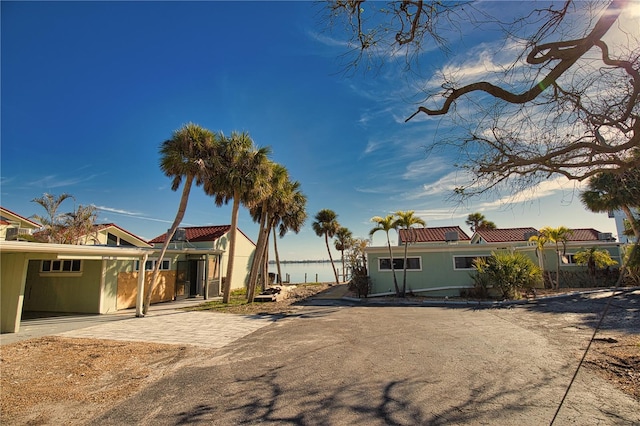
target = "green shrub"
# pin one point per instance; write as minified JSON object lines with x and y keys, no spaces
{"x":508,"y":272}
{"x":360,"y":283}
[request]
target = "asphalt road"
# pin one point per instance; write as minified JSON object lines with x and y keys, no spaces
{"x":404,"y":365}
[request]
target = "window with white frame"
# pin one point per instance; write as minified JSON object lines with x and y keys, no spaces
{"x":60,"y":266}
{"x":413,"y":264}
{"x":150,"y":265}
{"x":465,"y":262}
{"x":568,"y":259}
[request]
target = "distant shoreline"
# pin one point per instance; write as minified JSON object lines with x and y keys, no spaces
{"x":273,"y":262}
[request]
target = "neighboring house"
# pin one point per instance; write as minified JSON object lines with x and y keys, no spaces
{"x":110,"y":234}
{"x":196,"y":254}
{"x":620,"y":217}
{"x":436,"y":267}
{"x":12,"y":225}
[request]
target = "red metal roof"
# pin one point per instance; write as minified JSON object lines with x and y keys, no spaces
{"x":504,"y":235}
{"x":584,"y":234}
{"x":198,"y":233}
{"x":431,"y":235}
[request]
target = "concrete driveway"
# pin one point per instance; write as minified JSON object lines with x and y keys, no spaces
{"x":410,"y":365}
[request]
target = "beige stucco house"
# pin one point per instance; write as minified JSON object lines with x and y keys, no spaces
{"x":109,"y":272}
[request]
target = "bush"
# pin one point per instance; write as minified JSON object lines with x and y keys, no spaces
{"x":360,"y":282}
{"x":508,"y":272}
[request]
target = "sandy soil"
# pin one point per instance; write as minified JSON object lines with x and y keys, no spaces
{"x":56,"y":380}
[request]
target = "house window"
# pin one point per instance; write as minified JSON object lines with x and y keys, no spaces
{"x":413,"y":264}
{"x":464,"y":262}
{"x":57,"y":266}
{"x":150,"y":265}
{"x":568,"y":259}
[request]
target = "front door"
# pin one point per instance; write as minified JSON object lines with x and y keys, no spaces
{"x":182,"y":280}
{"x":193,"y":278}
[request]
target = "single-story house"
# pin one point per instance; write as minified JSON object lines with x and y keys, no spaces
{"x":105,"y":275}
{"x":440,"y":266}
{"x":195,"y":253}
{"x":47,"y":277}
{"x":12,"y":225}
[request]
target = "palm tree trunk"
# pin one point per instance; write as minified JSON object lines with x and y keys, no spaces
{"x":182,"y":208}
{"x":557,"y":267}
{"x":256,"y":265}
{"x":232,"y":248}
{"x":275,"y":249}
{"x":632,"y":221}
{"x":404,"y":272}
{"x":335,"y":272}
{"x":265,"y":261}
{"x":393,"y":270}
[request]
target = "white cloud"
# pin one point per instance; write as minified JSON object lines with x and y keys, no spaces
{"x":132,"y":214}
{"x":328,"y":41}
{"x":54,"y":181}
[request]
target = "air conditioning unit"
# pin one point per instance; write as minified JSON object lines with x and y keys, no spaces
{"x":11,"y":234}
{"x":179,"y":235}
{"x":605,"y":236}
{"x":451,"y":236}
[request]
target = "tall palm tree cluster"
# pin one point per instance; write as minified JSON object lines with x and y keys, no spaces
{"x":231,"y":169}
{"x":400,"y":220}
{"x":74,"y":227}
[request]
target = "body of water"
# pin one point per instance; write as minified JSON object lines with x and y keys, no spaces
{"x":315,"y":271}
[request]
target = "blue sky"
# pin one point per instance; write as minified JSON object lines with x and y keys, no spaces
{"x":91,"y":89}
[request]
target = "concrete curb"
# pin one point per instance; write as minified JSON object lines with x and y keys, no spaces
{"x":483,"y":303}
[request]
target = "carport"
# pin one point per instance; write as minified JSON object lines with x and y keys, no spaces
{"x":81,"y":278}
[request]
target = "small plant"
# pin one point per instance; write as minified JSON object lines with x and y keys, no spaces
{"x":508,"y":272}
{"x":360,"y":281}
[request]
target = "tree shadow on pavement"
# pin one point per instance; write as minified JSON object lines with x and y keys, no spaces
{"x":268,"y":399}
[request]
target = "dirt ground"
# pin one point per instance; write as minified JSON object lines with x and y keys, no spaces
{"x":50,"y":379}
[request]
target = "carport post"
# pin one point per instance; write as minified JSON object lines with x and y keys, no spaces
{"x":140,"y":295}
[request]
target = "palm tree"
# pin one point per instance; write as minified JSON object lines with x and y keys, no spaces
{"x":473,"y":220}
{"x":343,"y":242}
{"x":291,"y":218}
{"x":540,"y":241}
{"x":559,"y":237}
{"x":242,"y":170}
{"x":52,"y":222}
{"x":477,"y":221}
{"x":406,"y":220}
{"x":78,"y":227}
{"x":610,"y":191}
{"x":184,"y":156}
{"x":326,"y":224}
{"x":386,"y":224}
{"x":262,"y":213}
